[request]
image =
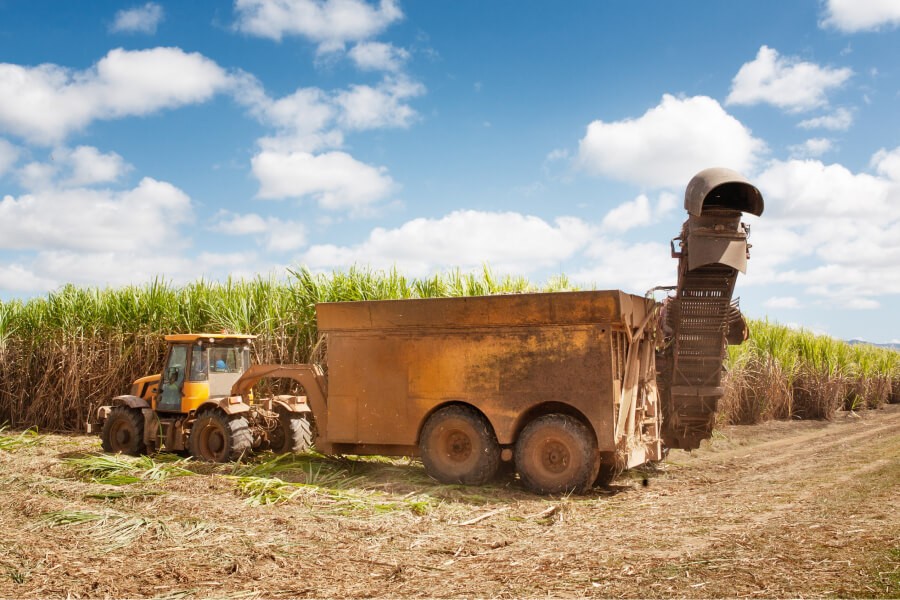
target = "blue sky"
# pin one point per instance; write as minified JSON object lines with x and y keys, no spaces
{"x":207,"y":139}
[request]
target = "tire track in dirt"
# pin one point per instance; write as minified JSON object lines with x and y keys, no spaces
{"x":821,"y":441}
{"x":806,"y":509}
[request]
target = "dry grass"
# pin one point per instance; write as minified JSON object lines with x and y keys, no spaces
{"x":752,"y":513}
{"x":782,"y":373}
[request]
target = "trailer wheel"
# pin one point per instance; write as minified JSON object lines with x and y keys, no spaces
{"x":459,"y":446}
{"x":216,"y":437}
{"x":123,"y":431}
{"x":293,"y":433}
{"x":557,"y":454}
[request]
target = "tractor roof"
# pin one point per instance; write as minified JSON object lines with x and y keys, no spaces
{"x":209,"y":337}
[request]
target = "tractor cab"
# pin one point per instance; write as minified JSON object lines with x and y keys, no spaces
{"x":200,"y":367}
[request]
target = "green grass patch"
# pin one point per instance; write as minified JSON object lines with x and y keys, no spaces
{"x":10,"y":442}
{"x":318,"y":480}
{"x":125,"y":470}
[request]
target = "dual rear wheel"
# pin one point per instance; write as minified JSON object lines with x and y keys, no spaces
{"x":554,"y":454}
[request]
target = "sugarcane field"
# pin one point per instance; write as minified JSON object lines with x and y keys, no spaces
{"x":393,"y":299}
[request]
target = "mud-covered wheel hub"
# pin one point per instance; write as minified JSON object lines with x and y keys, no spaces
{"x":212,"y":442}
{"x":217,"y":437}
{"x":555,"y":456}
{"x":457,"y":446}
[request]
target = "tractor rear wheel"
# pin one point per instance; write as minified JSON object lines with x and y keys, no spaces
{"x":123,"y":431}
{"x":459,"y":446}
{"x":293,"y":433}
{"x":217,"y":437}
{"x":557,"y":454}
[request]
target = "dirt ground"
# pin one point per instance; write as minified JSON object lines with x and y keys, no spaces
{"x":778,"y":510}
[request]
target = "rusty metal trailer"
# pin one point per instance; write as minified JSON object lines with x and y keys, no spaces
{"x":563,"y":386}
{"x":458,"y":381}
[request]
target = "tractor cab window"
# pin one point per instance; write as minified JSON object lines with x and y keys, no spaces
{"x":226,"y":365}
{"x":175,"y":367}
{"x":226,"y":360}
{"x":199,"y":363}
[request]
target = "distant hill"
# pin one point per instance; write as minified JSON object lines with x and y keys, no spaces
{"x":891,"y":346}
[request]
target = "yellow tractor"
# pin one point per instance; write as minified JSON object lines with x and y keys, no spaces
{"x":191,"y":406}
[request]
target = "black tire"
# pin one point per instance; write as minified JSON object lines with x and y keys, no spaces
{"x":293,"y":434}
{"x":557,"y":454}
{"x":123,"y":431}
{"x":459,"y":446}
{"x":217,"y":437}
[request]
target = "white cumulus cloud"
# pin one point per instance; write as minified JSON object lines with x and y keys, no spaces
{"x":783,"y":302}
{"x":141,"y":19}
{"x":276,"y":235}
{"x":9,"y":155}
{"x":335,"y":180}
{"x":44,"y":104}
{"x":83,"y":219}
{"x":508,"y":241}
{"x":811,"y":148}
{"x":17,"y":278}
{"x":851,"y":16}
{"x":887,"y":163}
{"x":845,"y":225}
{"x":785,"y":82}
{"x":311,"y":119}
{"x":635,"y":268}
{"x":669,"y":143}
{"x":639,"y":212}
{"x":839,"y":120}
{"x":378,"y":56}
{"x":800,"y":190}
{"x":365,"y":107}
{"x":303,"y":121}
{"x":90,"y":166}
{"x":73,"y":168}
{"x":124,"y":267}
{"x":329,"y":23}
{"x":302,"y":157}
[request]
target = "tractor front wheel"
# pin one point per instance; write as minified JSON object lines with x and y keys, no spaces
{"x":217,"y":437}
{"x":123,"y":431}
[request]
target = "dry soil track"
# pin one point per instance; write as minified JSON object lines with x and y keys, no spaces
{"x":775,"y":510}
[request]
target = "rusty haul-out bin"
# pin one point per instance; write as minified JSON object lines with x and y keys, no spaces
{"x":559,"y":383}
